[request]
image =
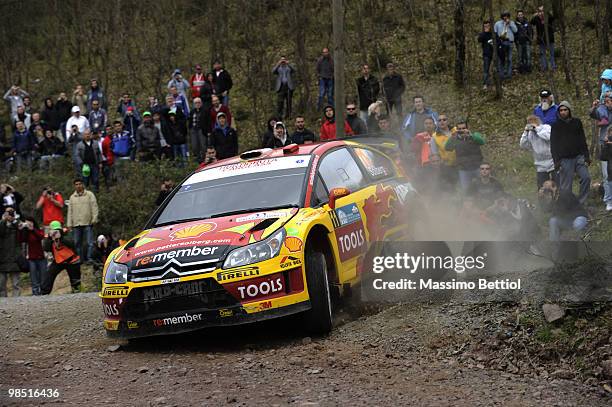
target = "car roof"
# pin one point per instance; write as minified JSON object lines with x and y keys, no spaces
{"x":302,"y":149}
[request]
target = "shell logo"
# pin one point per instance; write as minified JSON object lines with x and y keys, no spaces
{"x":294,"y":244}
{"x":193,"y":231}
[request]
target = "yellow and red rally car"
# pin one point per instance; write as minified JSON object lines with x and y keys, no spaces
{"x":266,"y":234}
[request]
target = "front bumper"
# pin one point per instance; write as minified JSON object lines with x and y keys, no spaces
{"x":160,"y":309}
{"x":192,"y":320}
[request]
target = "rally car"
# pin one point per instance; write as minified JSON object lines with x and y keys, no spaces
{"x":267,"y":234}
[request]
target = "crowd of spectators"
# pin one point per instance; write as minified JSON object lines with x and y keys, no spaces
{"x":439,"y":152}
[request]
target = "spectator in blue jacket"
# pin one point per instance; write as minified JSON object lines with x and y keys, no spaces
{"x":546,"y":110}
{"x":181,"y":84}
{"x":23,"y":144}
{"x":414,"y":122}
{"x":179,"y":100}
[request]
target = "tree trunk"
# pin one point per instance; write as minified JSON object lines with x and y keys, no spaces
{"x":417,"y":40}
{"x":300,"y":21}
{"x":439,"y":27}
{"x":567,"y":62}
{"x":458,"y":20}
{"x":499,"y":93}
{"x":605,"y":28}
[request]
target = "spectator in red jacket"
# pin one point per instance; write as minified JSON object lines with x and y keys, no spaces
{"x":30,"y":233}
{"x":108,"y":157}
{"x":328,"y":128}
{"x":217,"y":108}
{"x":52,"y":204}
{"x":197,"y":81}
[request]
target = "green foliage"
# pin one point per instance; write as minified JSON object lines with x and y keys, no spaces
{"x":124,"y":208}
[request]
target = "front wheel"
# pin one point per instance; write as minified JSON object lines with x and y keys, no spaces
{"x":319,"y":320}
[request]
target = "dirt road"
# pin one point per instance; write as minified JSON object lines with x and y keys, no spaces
{"x":402,"y":355}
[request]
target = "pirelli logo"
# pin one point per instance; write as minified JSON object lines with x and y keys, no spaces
{"x":116,"y":291}
{"x":334,"y":218}
{"x":240,"y":273}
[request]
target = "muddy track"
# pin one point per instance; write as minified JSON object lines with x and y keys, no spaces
{"x":383,"y":359}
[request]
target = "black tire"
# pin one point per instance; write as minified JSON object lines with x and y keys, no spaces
{"x":319,"y":318}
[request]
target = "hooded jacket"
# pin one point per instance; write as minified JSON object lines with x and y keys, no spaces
{"x":606,"y":74}
{"x":181,"y":84}
{"x":328,"y":128}
{"x":567,"y":139}
{"x":50,"y":115}
{"x":538,"y":141}
{"x":225,"y":141}
{"x":603,"y":115}
{"x":275,"y":142}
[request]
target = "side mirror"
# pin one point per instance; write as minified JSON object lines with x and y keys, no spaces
{"x":337,"y":193}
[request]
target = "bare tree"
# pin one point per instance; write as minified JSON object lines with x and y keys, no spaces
{"x":459,"y":21}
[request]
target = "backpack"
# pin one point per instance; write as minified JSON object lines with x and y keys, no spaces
{"x":121,"y":145}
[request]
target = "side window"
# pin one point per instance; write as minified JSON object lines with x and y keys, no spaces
{"x":339,"y":169}
{"x":320,"y":194}
{"x":377,"y":165}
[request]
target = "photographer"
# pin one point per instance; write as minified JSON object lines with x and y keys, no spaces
{"x":536,"y":138}
{"x":32,"y":235}
{"x":9,"y":251}
{"x":52,"y":204}
{"x":166,"y":189}
{"x":505,"y":30}
{"x":466,"y":146}
{"x":567,"y":211}
{"x":10,"y":198}
{"x":64,"y":258}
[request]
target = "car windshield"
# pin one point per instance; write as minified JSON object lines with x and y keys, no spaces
{"x":253,"y":185}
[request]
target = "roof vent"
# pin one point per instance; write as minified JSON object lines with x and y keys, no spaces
{"x":249,"y":155}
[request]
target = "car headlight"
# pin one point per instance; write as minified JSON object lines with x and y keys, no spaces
{"x":256,"y":252}
{"x":116,"y":273}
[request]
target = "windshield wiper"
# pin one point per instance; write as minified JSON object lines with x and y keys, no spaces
{"x":265,"y":209}
{"x":174,"y":222}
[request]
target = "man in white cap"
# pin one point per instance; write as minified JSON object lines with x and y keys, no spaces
{"x":76,"y":120}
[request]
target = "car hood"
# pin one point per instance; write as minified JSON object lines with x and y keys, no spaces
{"x":201,"y":240}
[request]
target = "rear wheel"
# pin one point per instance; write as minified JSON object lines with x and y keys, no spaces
{"x":318,"y":318}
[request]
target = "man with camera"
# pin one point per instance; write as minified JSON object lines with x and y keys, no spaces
{"x":466,"y":146}
{"x":65,"y":257}
{"x":52,"y":205}
{"x":166,"y":189}
{"x":284,"y":86}
{"x":9,"y":251}
{"x":536,"y":138}
{"x":505,"y":30}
